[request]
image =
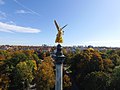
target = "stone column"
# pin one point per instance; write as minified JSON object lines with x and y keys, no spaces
{"x":59,"y":59}
{"x":59,"y":75}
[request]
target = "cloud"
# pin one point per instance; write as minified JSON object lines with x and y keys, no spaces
{"x":2,"y":15}
{"x":11,"y":22}
{"x":23,"y":6}
{"x":2,"y":2}
{"x":5,"y":27}
{"x":22,"y":11}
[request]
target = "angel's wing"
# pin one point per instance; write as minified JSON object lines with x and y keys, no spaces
{"x":57,"y":26}
{"x":64,"y":26}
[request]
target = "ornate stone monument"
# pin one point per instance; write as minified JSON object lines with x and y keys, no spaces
{"x":59,"y":58}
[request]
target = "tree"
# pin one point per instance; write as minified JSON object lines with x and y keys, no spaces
{"x":17,"y":57}
{"x":115,"y":82}
{"x":87,"y":61}
{"x":96,"y":81}
{"x":108,"y":65}
{"x":66,"y":82}
{"x":4,"y":54}
{"x":45,"y":76}
{"x":22,"y":75}
{"x":29,"y":54}
{"x":115,"y":59}
{"x":41,"y":55}
{"x":4,"y":82}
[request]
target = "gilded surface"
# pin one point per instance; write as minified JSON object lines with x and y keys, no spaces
{"x":59,"y":38}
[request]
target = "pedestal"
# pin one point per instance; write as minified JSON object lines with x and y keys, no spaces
{"x":59,"y":59}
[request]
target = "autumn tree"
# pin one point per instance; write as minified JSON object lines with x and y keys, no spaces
{"x":45,"y":76}
{"x":67,"y":84}
{"x":108,"y":65}
{"x":4,"y":82}
{"x":4,"y":54}
{"x":88,"y":61}
{"x":29,"y":54}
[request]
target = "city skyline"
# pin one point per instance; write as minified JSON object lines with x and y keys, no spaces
{"x":90,"y":22}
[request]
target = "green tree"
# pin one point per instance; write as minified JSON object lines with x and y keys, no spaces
{"x":22,"y":75}
{"x":115,"y":59}
{"x":36,"y":58}
{"x":17,"y":57}
{"x":96,"y":81}
{"x":115,"y":82}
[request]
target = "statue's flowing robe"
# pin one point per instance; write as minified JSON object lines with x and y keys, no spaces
{"x":59,"y":38}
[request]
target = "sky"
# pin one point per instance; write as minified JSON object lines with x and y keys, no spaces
{"x":31,"y":22}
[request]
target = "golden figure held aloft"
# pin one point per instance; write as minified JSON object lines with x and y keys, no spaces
{"x":59,"y":38}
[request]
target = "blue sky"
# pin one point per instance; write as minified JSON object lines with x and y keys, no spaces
{"x":30,"y":22}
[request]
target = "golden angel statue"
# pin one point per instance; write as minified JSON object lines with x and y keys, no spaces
{"x":59,"y":38}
